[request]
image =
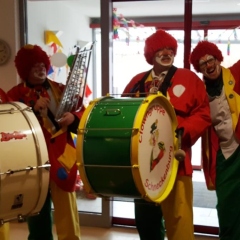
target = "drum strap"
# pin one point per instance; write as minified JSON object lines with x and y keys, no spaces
{"x":52,"y":118}
{"x":165,"y":85}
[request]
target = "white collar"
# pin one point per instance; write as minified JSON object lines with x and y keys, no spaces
{"x":162,"y":74}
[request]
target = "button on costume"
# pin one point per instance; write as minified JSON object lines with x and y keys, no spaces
{"x":4,"y":229}
{"x":61,"y":150}
{"x":187,"y":94}
{"x":221,"y":150}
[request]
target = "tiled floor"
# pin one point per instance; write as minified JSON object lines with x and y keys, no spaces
{"x":202,"y":216}
{"x":19,"y":232}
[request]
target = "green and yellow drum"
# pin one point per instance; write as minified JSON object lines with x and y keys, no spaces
{"x":126,"y":146}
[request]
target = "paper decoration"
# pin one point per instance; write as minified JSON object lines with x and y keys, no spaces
{"x":228,"y":48}
{"x":54,"y":47}
{"x":50,"y":71}
{"x":52,"y":37}
{"x":88,"y":91}
{"x":58,"y":59}
{"x":70,"y":60}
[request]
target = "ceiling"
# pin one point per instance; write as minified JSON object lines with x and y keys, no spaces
{"x":159,"y":8}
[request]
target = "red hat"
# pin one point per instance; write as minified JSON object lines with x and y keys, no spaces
{"x":158,"y":40}
{"x":27,"y":57}
{"x":204,"y":48}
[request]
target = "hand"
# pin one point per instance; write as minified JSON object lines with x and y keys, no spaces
{"x":41,"y":104}
{"x":179,"y":132}
{"x":66,"y":119}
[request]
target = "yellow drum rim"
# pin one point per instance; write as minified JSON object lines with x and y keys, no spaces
{"x":79,"y":145}
{"x":135,"y":146}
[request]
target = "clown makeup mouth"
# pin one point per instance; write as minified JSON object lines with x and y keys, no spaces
{"x":213,"y":72}
{"x":40,"y":75}
{"x":39,"y":71}
{"x":209,"y":67}
{"x":165,"y":60}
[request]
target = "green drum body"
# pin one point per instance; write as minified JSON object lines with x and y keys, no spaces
{"x":119,"y":153}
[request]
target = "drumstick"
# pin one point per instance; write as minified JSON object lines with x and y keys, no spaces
{"x":180,"y":154}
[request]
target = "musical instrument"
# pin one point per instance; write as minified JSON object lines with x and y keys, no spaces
{"x":126,"y":146}
{"x":24,"y":168}
{"x":76,"y":83}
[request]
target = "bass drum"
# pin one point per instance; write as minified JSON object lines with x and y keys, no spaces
{"x":24,"y":167}
{"x":126,"y":146}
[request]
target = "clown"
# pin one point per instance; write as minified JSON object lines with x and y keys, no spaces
{"x":187,"y":94}
{"x":158,"y":148}
{"x":43,"y":95}
{"x":221,"y":155}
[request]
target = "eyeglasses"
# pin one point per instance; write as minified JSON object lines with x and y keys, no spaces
{"x":210,"y":61}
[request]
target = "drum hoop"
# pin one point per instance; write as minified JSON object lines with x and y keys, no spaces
{"x":80,"y":142}
{"x":134,"y":146}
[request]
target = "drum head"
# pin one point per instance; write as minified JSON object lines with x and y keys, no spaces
{"x":152,"y":148}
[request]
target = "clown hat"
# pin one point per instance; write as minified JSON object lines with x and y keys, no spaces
{"x":204,"y":48}
{"x":27,"y":57}
{"x":158,"y":40}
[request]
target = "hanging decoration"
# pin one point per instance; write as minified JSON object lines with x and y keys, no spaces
{"x":228,"y":47}
{"x":59,"y":68}
{"x":221,"y":39}
{"x":58,"y":59}
{"x":121,"y":23}
{"x":52,"y":37}
{"x":116,"y":24}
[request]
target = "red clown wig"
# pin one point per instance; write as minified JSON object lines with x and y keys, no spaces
{"x":27,"y":57}
{"x":204,"y":48}
{"x":158,"y":40}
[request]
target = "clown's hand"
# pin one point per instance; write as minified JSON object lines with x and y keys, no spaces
{"x":66,"y":119}
{"x":179,"y":132}
{"x":41,"y":104}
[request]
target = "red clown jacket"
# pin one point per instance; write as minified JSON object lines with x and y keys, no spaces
{"x":60,"y":145}
{"x":188,"y":96}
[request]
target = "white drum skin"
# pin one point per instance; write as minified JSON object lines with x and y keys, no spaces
{"x":23,"y":163}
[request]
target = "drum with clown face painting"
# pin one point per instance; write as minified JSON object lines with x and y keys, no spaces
{"x":126,"y":146}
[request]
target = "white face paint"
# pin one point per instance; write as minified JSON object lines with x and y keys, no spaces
{"x":37,"y":74}
{"x":210,"y":67}
{"x":39,"y":71}
{"x":165,"y":60}
{"x":165,"y":57}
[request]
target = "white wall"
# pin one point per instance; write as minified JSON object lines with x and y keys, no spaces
{"x":65,"y":16}
{"x":9,"y":31}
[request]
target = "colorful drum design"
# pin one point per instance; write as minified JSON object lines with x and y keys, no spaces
{"x":24,"y":171}
{"x":125,"y":147}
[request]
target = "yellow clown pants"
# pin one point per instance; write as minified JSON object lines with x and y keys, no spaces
{"x":65,"y":217}
{"x":65,"y":213}
{"x":177,"y":210}
{"x":4,"y":231}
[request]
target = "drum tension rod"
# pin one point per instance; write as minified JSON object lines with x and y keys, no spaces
{"x":12,"y":110}
{"x":21,"y":218}
{"x":29,"y":168}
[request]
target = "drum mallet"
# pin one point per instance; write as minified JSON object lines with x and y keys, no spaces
{"x":180,"y":154}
